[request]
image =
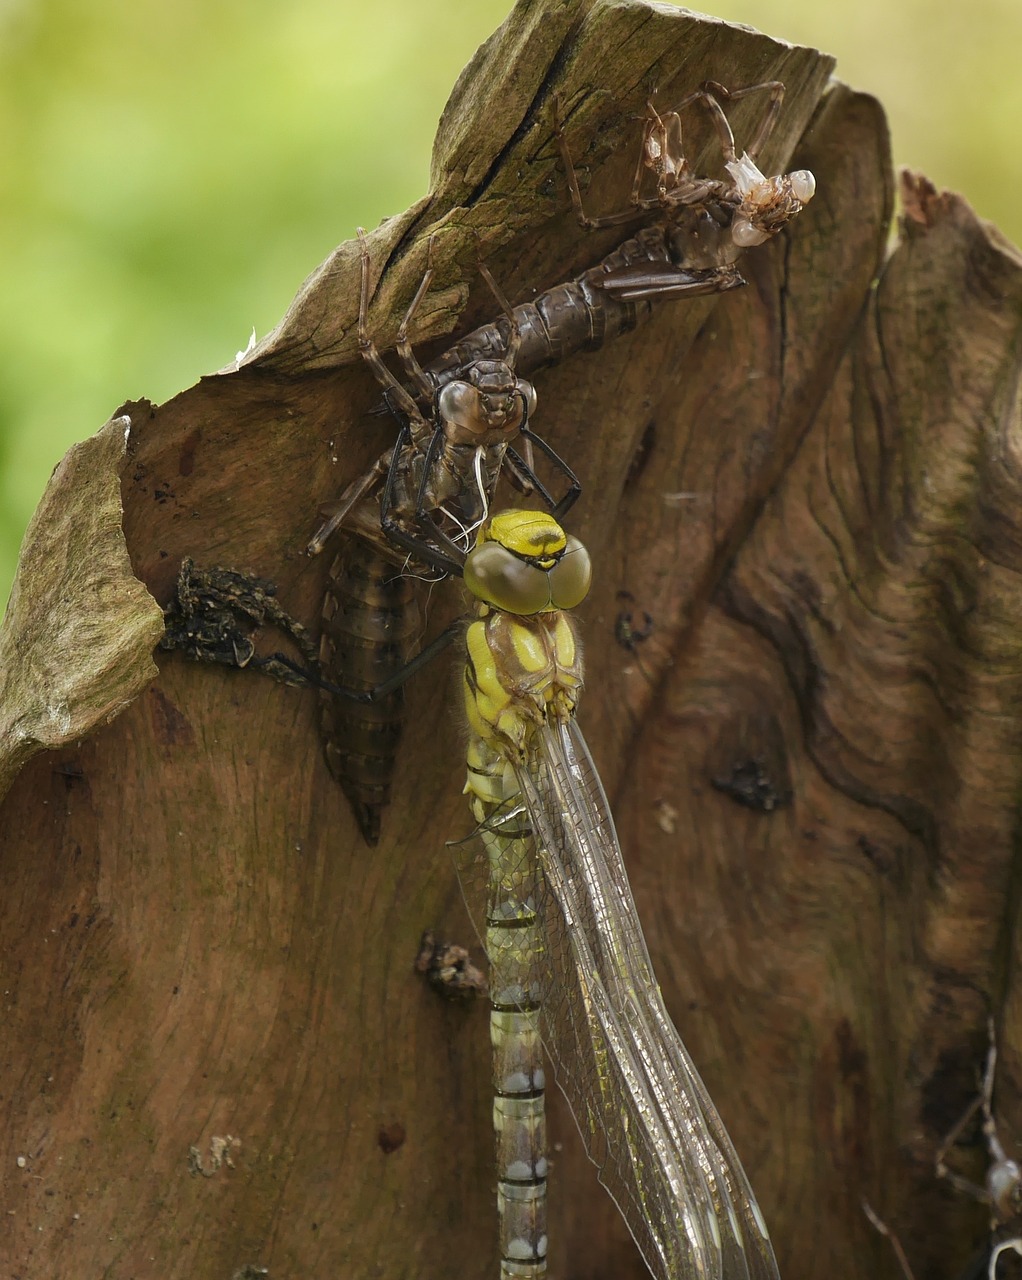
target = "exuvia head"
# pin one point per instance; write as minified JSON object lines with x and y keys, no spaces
{"x":490,"y":398}
{"x":524,"y":563}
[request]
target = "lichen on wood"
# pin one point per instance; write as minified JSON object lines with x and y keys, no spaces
{"x":76,"y":642}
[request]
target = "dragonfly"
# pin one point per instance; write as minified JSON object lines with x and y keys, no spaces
{"x":413,"y":514}
{"x":569,"y":969}
{"x":1001,"y":1190}
{"x":698,"y":229}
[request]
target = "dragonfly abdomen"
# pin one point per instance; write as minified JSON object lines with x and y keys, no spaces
{"x":369,"y":619}
{"x":515,"y":947}
{"x":576,"y":315}
{"x":586,"y":313}
{"x":519,"y":669}
{"x":519,"y":1112}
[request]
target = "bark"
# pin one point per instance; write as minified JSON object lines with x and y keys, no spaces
{"x":77,"y":638}
{"x":812,"y":488}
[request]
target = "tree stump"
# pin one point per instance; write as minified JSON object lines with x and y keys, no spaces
{"x":216,"y":1055}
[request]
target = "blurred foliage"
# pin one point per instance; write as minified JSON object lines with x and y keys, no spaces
{"x":169,"y":174}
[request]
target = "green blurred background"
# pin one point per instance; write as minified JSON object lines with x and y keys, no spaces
{"x":170,"y":173}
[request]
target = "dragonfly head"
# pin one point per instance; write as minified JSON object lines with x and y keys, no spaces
{"x":524,"y":563}
{"x":768,"y":204}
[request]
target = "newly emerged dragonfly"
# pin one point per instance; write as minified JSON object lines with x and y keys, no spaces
{"x":413,"y":514}
{"x":698,"y":229}
{"x":1001,"y":1190}
{"x":569,"y":970}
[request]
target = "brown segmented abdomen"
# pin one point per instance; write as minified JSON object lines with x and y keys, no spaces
{"x":597,"y":306}
{"x":369,"y":621}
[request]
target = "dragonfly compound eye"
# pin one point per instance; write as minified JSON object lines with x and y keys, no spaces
{"x":459,"y":403}
{"x":746,"y":235}
{"x":803,"y":185}
{"x":498,"y":577}
{"x":571,"y":576}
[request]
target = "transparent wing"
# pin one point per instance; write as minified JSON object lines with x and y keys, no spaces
{"x":645,"y":1116}
{"x":664,"y":279}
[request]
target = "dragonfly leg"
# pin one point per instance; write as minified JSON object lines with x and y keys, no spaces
{"x":941,"y":1168}
{"x":421,"y":659}
{"x":415,"y":371}
{"x":336,"y":513}
{"x":557,"y":506}
{"x":878,"y":1223}
{"x":395,"y":393}
{"x":585,"y":221}
{"x":773,"y":111}
{"x":447,"y":557}
{"x":514,"y":337}
{"x":707,"y":96}
{"x":663,"y":154}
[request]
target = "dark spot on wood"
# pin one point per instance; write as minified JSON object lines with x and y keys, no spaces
{"x":880,"y":857}
{"x":631,"y":627}
{"x":853,"y":1070}
{"x":186,"y":458}
{"x":807,"y":589}
{"x":641,"y":456}
{"x":952,"y":1085}
{"x":448,"y":968}
{"x":170,"y":727}
{"x":72,"y":775}
{"x":851,"y":1056}
{"x":391,"y":1137}
{"x":750,"y":785}
{"x":749,"y":762}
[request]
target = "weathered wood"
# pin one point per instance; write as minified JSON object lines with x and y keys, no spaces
{"x":77,"y":639}
{"x":810,"y":485}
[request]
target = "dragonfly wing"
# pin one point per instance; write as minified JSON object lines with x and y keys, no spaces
{"x":665,"y":279}
{"x":644,"y":1114}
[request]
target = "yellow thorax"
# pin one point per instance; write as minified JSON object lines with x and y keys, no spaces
{"x":523,"y":662}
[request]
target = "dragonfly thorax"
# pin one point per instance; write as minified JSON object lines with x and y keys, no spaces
{"x":520,"y":673}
